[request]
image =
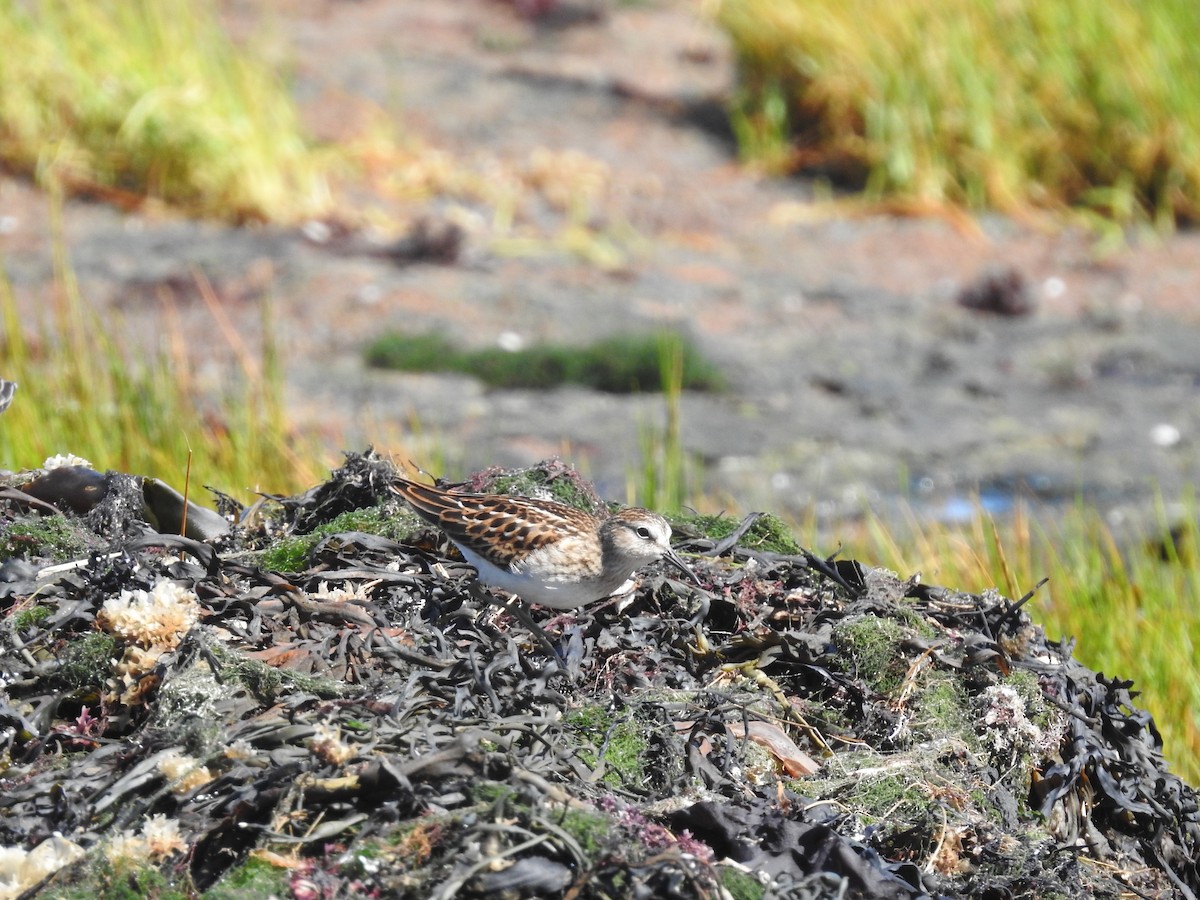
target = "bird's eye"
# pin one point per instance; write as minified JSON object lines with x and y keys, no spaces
{"x":643,"y":532}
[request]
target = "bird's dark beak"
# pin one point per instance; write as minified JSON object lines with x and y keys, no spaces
{"x":677,"y":561}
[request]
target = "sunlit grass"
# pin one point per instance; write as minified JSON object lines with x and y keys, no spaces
{"x":1011,"y":105}
{"x":82,"y":392}
{"x":661,"y":480}
{"x":1133,"y":607}
{"x":132,"y":100}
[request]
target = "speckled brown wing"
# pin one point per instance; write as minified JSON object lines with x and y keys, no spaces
{"x":499,"y":528}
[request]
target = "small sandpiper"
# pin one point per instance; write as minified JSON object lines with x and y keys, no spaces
{"x":542,"y":551}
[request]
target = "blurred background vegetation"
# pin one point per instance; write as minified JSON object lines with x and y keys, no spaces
{"x":150,"y":99}
{"x":1016,"y":105}
{"x":1060,"y":106}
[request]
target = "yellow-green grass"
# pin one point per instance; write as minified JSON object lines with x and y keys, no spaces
{"x":661,"y":481}
{"x":1133,"y":606}
{"x":82,"y":392}
{"x":137,"y":99}
{"x":1008,"y":104}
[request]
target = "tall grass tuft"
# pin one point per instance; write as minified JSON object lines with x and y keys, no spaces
{"x":1014,"y":105}
{"x":1133,"y":606}
{"x":132,"y":100}
{"x":82,"y":392}
{"x":662,"y":479}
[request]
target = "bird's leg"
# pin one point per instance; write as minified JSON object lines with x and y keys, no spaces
{"x":521,"y":614}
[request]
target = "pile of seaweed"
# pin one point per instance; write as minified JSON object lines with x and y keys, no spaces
{"x":305,"y":698}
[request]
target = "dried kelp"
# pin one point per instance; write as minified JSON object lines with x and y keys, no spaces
{"x":362,"y":720}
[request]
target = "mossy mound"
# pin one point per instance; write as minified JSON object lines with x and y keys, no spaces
{"x":365,"y":724}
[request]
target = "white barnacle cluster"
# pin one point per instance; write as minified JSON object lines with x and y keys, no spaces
{"x":64,"y":460}
{"x":159,"y":838}
{"x":149,"y":623}
{"x":1009,"y":730}
{"x":21,"y":869}
{"x":159,"y":617}
{"x":328,"y":593}
{"x":327,"y":744}
{"x":183,"y":772}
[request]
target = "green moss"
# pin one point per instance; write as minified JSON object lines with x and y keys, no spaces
{"x":372,"y":520}
{"x":622,"y":364}
{"x":626,"y":750}
{"x":490,"y":792}
{"x":290,"y":554}
{"x":592,"y":831}
{"x":539,"y":482}
{"x":86,"y":663}
{"x":267,"y":682}
{"x":890,"y":792}
{"x":410,"y":352}
{"x":1039,"y":711}
{"x":741,"y":885}
{"x":368,"y":850}
{"x":27,"y":618}
{"x":151,"y":882}
{"x":263,"y":681}
{"x":869,"y":647}
{"x":934,"y":701}
{"x":99,"y":879}
{"x":53,"y":537}
{"x":626,"y":744}
{"x":253,"y":878}
{"x":911,"y":619}
{"x":877,"y":788}
{"x":768,"y":534}
{"x":588,"y":720}
{"x":941,"y":709}
{"x":545,"y":366}
{"x":325,"y":688}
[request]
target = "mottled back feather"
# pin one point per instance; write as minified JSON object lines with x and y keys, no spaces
{"x":499,"y":528}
